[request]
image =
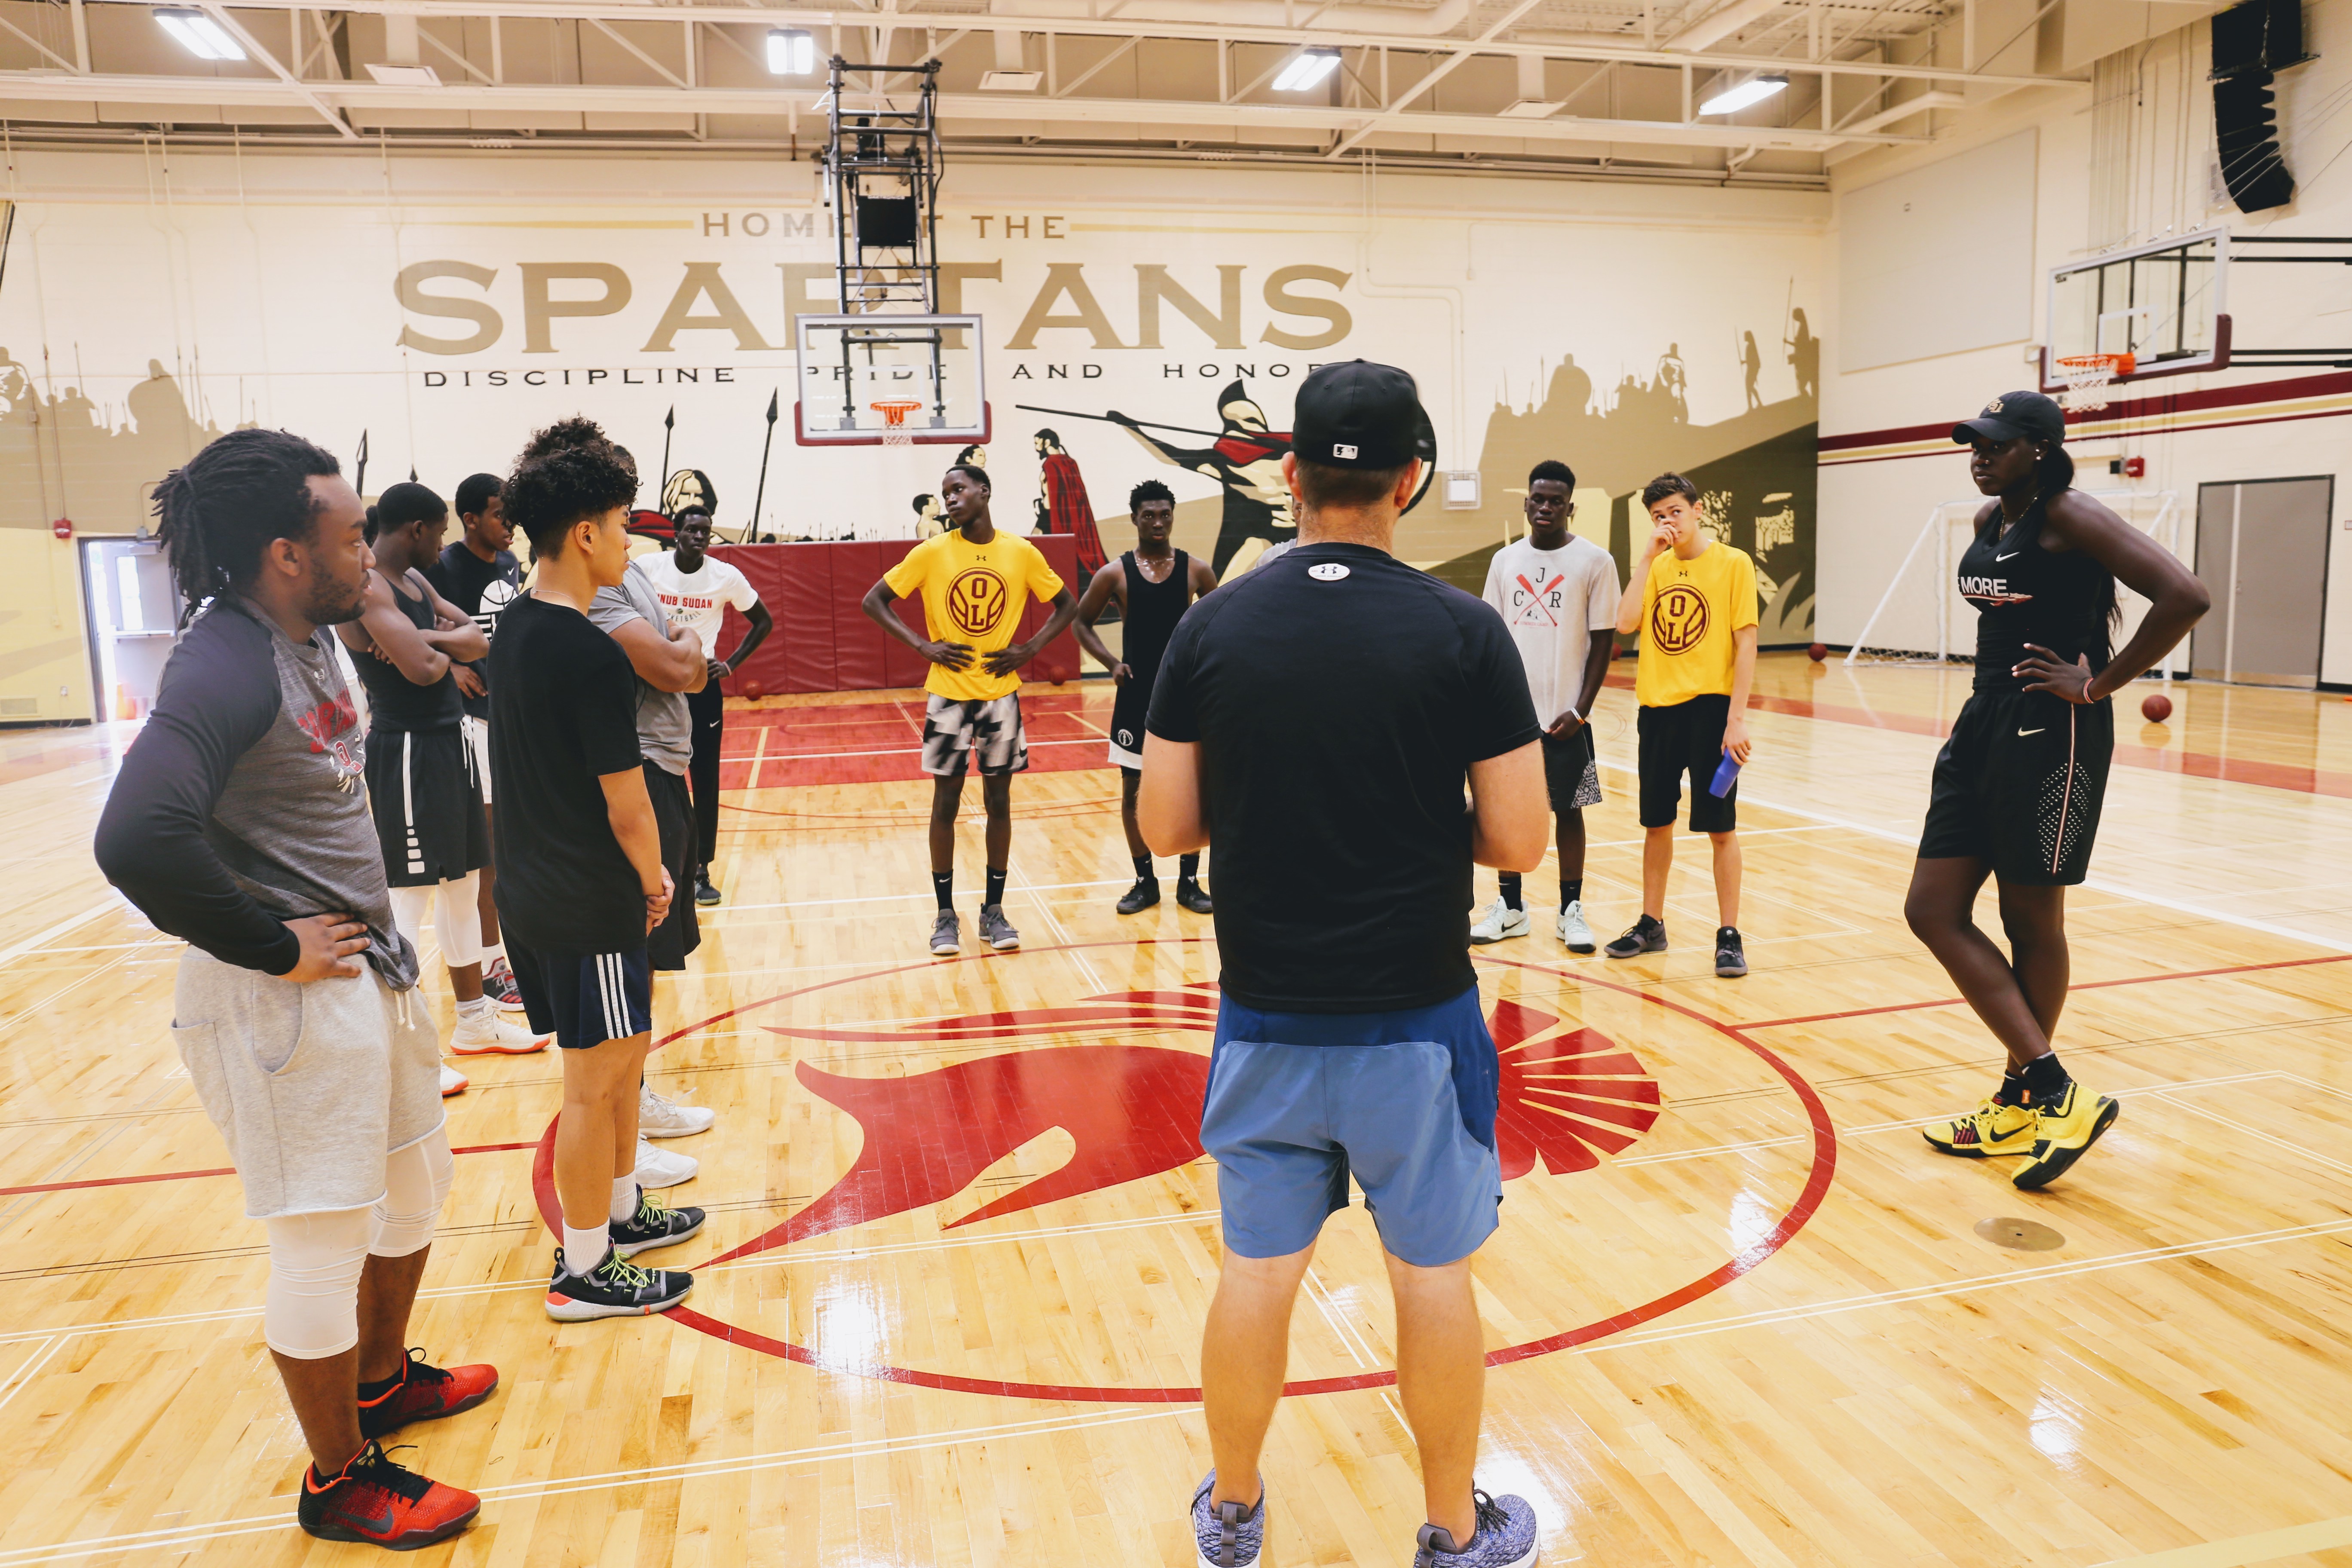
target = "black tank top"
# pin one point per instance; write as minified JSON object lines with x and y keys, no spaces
{"x":396,"y":703}
{"x":2024,"y":593}
{"x":1152,"y":611}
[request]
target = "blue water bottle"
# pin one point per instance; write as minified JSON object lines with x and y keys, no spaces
{"x":1726,"y":774}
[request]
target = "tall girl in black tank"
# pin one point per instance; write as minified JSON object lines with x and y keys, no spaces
{"x":1154,"y":584}
{"x":2018,"y":787}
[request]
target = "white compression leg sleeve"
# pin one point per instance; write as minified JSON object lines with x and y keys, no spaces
{"x":311,"y":1309}
{"x":409,"y":908}
{"x":458,"y":920}
{"x":415,"y":1186}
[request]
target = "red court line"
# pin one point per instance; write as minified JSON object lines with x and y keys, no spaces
{"x":2086,"y":986}
{"x":191,"y":1175}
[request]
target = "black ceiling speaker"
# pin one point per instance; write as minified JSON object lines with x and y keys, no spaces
{"x":2251,"y":43}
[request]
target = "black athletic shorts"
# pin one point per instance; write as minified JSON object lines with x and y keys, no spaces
{"x":583,"y":998}
{"x":1686,"y":738}
{"x":1571,"y":770}
{"x":680,"y":931}
{"x":427,"y":807}
{"x":2018,"y":786}
{"x":1129,"y":710}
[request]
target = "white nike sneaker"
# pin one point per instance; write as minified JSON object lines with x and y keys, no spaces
{"x":452,"y":1081}
{"x":661,"y":1168}
{"x":1499,"y":922}
{"x":488,"y":1034}
{"x":659,"y":1118}
{"x":1573,"y":932}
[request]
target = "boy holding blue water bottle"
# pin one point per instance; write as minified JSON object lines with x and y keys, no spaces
{"x":1693,"y":599}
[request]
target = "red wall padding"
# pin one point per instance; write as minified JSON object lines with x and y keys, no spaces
{"x":823,"y":641}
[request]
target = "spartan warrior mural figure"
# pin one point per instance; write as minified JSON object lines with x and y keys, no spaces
{"x":1066,"y":508}
{"x":1246,"y":459}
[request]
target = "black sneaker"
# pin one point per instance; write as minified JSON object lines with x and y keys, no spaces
{"x":1140,"y":897}
{"x":1194,"y":896}
{"x":655,"y":1224}
{"x":615,"y":1288}
{"x":1647,"y":934}
{"x":706,"y":891}
{"x":1730,"y":958}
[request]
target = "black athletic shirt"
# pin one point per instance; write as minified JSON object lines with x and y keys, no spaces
{"x":1339,"y":698}
{"x":2024,"y":593}
{"x":483,"y":589}
{"x":395,"y":702}
{"x":562,"y":715}
{"x":1152,"y":611}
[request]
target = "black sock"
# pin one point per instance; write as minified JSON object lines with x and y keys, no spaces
{"x":377,"y":1390}
{"x":2011,"y":1090}
{"x":2045,"y":1081}
{"x":1507,"y":884}
{"x":995,"y":885}
{"x":1572,"y":889}
{"x":1188,"y":867}
{"x":943,"y":888}
{"x":1143,"y":868}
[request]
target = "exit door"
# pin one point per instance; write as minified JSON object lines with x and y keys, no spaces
{"x":2262,"y":550}
{"x":133,"y":622}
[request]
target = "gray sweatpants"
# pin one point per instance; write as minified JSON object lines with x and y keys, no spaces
{"x":311,"y":1085}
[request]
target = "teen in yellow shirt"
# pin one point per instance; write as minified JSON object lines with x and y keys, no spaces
{"x":975,"y":582}
{"x":1694,"y":602}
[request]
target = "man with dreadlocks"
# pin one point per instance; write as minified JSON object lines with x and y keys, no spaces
{"x":238,"y":824}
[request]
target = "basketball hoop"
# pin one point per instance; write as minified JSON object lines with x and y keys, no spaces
{"x":895,"y":431}
{"x":2087,"y":378}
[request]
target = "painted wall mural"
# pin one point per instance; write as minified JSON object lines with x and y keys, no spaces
{"x":1119,"y":346}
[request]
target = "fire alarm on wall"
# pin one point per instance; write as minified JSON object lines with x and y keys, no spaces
{"x":62,"y":527}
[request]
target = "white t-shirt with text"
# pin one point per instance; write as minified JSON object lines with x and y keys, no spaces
{"x":1553,"y":601}
{"x":697,"y":600}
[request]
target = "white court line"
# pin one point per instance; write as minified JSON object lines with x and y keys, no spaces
{"x":22,"y":1378}
{"x":34,"y":943}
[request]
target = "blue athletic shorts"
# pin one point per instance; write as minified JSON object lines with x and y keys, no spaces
{"x":584,"y":999}
{"x":1405,"y":1102}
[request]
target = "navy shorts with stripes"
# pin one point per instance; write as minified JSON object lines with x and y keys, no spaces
{"x":584,"y":999}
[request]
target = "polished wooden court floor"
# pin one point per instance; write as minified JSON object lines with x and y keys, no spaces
{"x":961,"y":1235}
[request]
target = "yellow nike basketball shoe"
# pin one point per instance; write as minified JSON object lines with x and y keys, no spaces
{"x":1991,"y":1128}
{"x":2067,"y":1128}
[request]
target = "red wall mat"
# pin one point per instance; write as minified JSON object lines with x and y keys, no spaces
{"x":769,"y":666}
{"x":804,"y":612}
{"x":858,"y":645}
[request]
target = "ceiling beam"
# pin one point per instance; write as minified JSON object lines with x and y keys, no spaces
{"x":1444,"y":68}
{"x":253,"y":50}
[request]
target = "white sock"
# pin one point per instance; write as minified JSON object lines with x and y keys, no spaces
{"x":583,"y":1249}
{"x":625,"y":1199}
{"x":492,"y":951}
{"x":478,"y":1007}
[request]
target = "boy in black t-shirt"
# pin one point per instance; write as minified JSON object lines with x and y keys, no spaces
{"x":581,"y":879}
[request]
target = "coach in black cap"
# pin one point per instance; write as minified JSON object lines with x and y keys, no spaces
{"x":1317,"y":719}
{"x":2012,"y":415}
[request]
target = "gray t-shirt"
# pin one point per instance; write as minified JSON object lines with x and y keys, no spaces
{"x":665,"y":729}
{"x":241,"y":805}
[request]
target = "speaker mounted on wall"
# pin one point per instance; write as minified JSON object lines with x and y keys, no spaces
{"x":2251,"y":43}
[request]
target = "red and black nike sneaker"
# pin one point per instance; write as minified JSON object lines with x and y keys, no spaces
{"x":424,"y":1393}
{"x":378,"y":1503}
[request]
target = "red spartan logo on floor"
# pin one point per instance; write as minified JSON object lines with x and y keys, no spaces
{"x":976,"y":602}
{"x":1568,"y":1096}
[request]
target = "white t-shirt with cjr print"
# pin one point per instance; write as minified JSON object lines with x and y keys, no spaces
{"x":1553,"y":601}
{"x":697,"y":600}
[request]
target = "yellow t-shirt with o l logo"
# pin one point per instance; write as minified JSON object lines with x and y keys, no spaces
{"x":974,"y":595}
{"x":1689,"y":610}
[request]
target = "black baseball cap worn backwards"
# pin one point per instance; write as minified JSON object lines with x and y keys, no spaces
{"x":2012,"y":415}
{"x":1361,"y":416}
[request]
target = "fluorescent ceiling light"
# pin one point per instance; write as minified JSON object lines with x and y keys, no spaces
{"x":1756,"y":89}
{"x":199,"y":34}
{"x":1010,"y":81}
{"x":1307,"y":68}
{"x":1530,"y":108}
{"x":791,"y":52}
{"x":404,"y":75}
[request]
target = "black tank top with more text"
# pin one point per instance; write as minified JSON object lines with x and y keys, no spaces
{"x":1152,"y":611}
{"x":396,"y":703}
{"x":2024,"y":593}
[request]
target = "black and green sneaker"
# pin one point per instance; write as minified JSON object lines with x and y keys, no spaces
{"x":655,"y":1224}
{"x":615,"y":1288}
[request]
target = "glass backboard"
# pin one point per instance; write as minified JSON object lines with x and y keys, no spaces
{"x":866,"y":379}
{"x":2166,"y":305}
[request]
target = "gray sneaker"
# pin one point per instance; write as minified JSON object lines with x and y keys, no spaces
{"x":1225,"y":1536}
{"x":1505,"y":1537}
{"x":947,"y":934}
{"x":996,"y":931}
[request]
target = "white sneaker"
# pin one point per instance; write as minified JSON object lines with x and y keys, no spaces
{"x":452,"y":1081}
{"x":488,"y":1034}
{"x":659,"y":1118}
{"x":1573,"y":932}
{"x":1499,"y":922}
{"x":661,"y":1168}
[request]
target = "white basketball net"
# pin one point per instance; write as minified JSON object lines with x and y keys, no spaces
{"x":2087,"y":378}
{"x":897,"y":432}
